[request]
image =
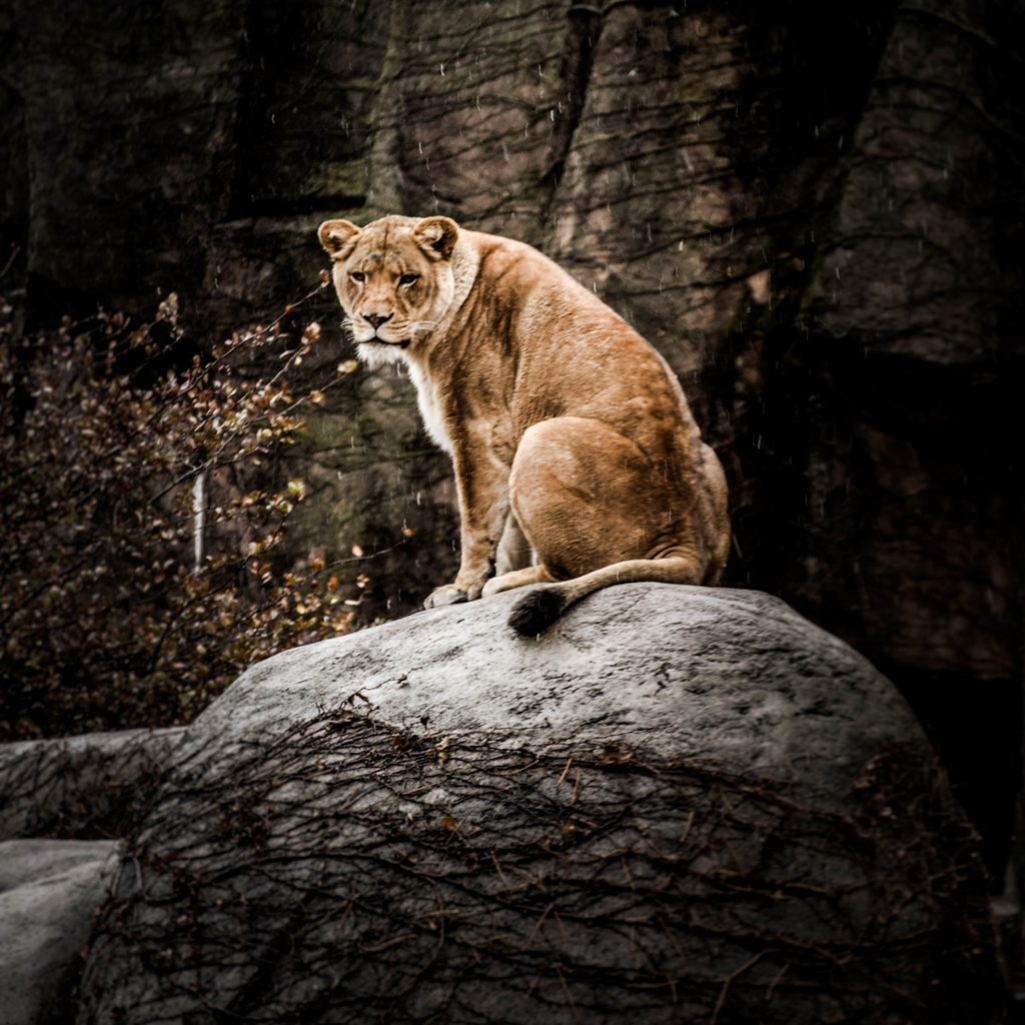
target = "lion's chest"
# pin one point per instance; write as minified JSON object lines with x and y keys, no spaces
{"x":430,"y":408}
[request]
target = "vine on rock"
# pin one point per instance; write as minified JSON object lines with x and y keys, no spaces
{"x":349,"y":869}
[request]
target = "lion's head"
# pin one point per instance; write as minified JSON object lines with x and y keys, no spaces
{"x":394,"y":279}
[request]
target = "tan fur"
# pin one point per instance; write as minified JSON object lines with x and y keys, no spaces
{"x":551,"y":406}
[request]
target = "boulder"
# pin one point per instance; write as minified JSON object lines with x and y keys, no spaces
{"x":49,"y":892}
{"x":678,"y":804}
{"x":56,"y":797}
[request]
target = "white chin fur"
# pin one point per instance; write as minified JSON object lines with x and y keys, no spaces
{"x":377,"y":354}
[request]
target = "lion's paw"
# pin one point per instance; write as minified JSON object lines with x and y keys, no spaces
{"x":505,"y":582}
{"x":447,"y":594}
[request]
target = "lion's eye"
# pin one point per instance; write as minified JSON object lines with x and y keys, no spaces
{"x":358,"y":276}
{"x":409,"y":279}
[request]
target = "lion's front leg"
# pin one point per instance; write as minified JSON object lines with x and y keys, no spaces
{"x":483,"y":485}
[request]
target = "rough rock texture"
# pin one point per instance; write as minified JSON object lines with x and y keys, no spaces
{"x":815,"y":213}
{"x":677,"y":805}
{"x":85,"y":786}
{"x":49,"y":893}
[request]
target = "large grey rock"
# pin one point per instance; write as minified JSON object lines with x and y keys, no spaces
{"x":50,"y":889}
{"x":677,"y":805}
{"x":49,"y":892}
{"x":81,"y":786}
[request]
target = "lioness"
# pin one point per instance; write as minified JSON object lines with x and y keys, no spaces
{"x":550,"y":406}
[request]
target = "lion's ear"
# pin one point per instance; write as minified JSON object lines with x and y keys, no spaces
{"x":338,"y":237}
{"x":437,"y":236}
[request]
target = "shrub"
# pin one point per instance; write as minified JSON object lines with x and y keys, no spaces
{"x":143,"y":508}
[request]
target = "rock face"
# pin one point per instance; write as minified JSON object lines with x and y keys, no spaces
{"x":56,"y":798}
{"x":49,"y":892}
{"x":677,"y":805}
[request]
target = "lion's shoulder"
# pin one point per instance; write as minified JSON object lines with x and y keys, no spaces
{"x":515,"y":272}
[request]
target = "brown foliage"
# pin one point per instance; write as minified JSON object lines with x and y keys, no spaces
{"x":144,"y":509}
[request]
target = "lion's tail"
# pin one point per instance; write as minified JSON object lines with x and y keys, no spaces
{"x":542,"y":606}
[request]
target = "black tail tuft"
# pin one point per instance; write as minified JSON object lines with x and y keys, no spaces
{"x":536,"y":611}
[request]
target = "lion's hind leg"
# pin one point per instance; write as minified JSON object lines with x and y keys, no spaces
{"x":596,"y":513}
{"x":582,"y":494}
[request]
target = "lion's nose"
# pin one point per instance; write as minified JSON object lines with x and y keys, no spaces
{"x":375,"y":320}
